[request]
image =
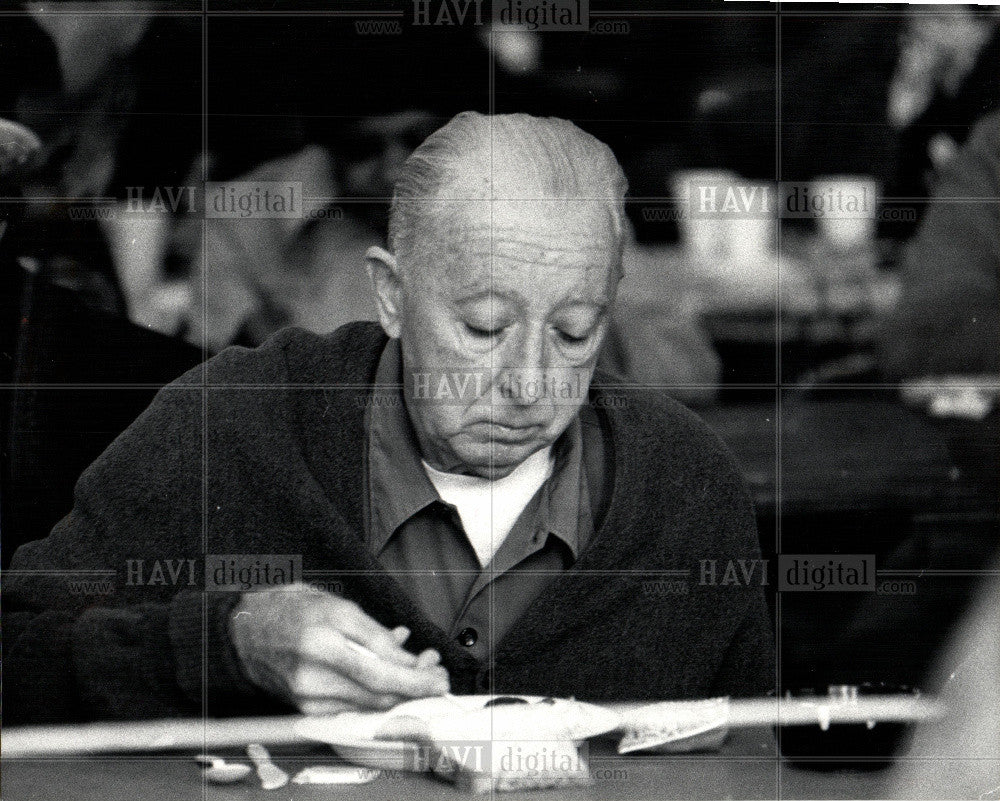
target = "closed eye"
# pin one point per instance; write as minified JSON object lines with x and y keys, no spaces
{"x":572,"y":340}
{"x":483,"y":333}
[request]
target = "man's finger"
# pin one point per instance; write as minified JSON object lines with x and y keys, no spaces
{"x":314,"y":685}
{"x":367,"y":631}
{"x":324,"y":707}
{"x":333,"y":707}
{"x":370,"y":670}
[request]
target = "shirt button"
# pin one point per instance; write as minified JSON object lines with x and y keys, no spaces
{"x":468,"y":637}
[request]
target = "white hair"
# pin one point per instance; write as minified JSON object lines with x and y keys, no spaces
{"x":508,"y":156}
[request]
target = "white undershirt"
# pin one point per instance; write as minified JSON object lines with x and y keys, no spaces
{"x":489,"y":509}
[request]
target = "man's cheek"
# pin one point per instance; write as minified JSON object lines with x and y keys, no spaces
{"x":446,"y":347}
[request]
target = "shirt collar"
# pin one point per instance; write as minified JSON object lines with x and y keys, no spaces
{"x":397,"y":484}
{"x":398,"y":487}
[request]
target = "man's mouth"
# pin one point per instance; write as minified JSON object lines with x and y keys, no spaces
{"x":505,"y":434}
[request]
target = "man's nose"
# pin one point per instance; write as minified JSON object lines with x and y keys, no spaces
{"x":527,"y":366}
{"x":530,"y":350}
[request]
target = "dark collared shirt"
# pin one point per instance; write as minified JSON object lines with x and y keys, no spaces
{"x":420,"y":540}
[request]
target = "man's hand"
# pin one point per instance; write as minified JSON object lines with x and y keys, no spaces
{"x":326,"y":655}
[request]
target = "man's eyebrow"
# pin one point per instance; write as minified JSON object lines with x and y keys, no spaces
{"x":485,"y":294}
{"x":599,"y":306}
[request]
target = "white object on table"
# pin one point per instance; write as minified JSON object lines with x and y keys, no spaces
{"x":335,"y":774}
{"x":703,"y":235}
{"x":271,"y":776}
{"x":848,"y":204}
{"x":676,"y":726}
{"x":452,"y":718}
{"x":218,"y":771}
{"x":750,"y":234}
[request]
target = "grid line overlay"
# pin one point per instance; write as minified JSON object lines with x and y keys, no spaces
{"x":779,"y":385}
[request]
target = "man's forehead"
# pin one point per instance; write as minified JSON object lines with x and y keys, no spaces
{"x":539,"y":232}
{"x":477,"y":250}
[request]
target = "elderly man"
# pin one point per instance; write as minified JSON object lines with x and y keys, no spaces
{"x":461,"y":508}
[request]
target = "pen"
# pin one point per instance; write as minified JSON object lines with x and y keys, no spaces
{"x":425,"y":659}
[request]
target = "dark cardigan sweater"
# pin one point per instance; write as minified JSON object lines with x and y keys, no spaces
{"x":260,"y":452}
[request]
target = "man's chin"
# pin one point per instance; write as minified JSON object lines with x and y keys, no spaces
{"x":494,"y":460}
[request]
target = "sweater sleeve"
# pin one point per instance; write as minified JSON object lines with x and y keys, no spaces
{"x":69,"y":661}
{"x":106,"y":617}
{"x":748,"y":665}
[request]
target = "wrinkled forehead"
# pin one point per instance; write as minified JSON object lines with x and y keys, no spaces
{"x":546,"y":236}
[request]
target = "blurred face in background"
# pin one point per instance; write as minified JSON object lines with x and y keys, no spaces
{"x":373,"y":154}
{"x":502,"y":309}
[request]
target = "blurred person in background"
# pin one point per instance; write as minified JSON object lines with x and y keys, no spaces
{"x":947,"y":320}
{"x":45,"y":241}
{"x":370,"y":154}
{"x":115,"y":99}
{"x":656,"y":338}
{"x":251,"y":277}
{"x":945,"y":79}
{"x":942,"y":341}
{"x":265,"y":274}
{"x":285,"y":109}
{"x":19,"y":150}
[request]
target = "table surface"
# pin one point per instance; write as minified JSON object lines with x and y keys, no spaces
{"x":746,"y":767}
{"x":829,"y":450}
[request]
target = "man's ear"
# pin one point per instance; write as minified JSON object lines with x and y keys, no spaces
{"x":383,"y":271}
